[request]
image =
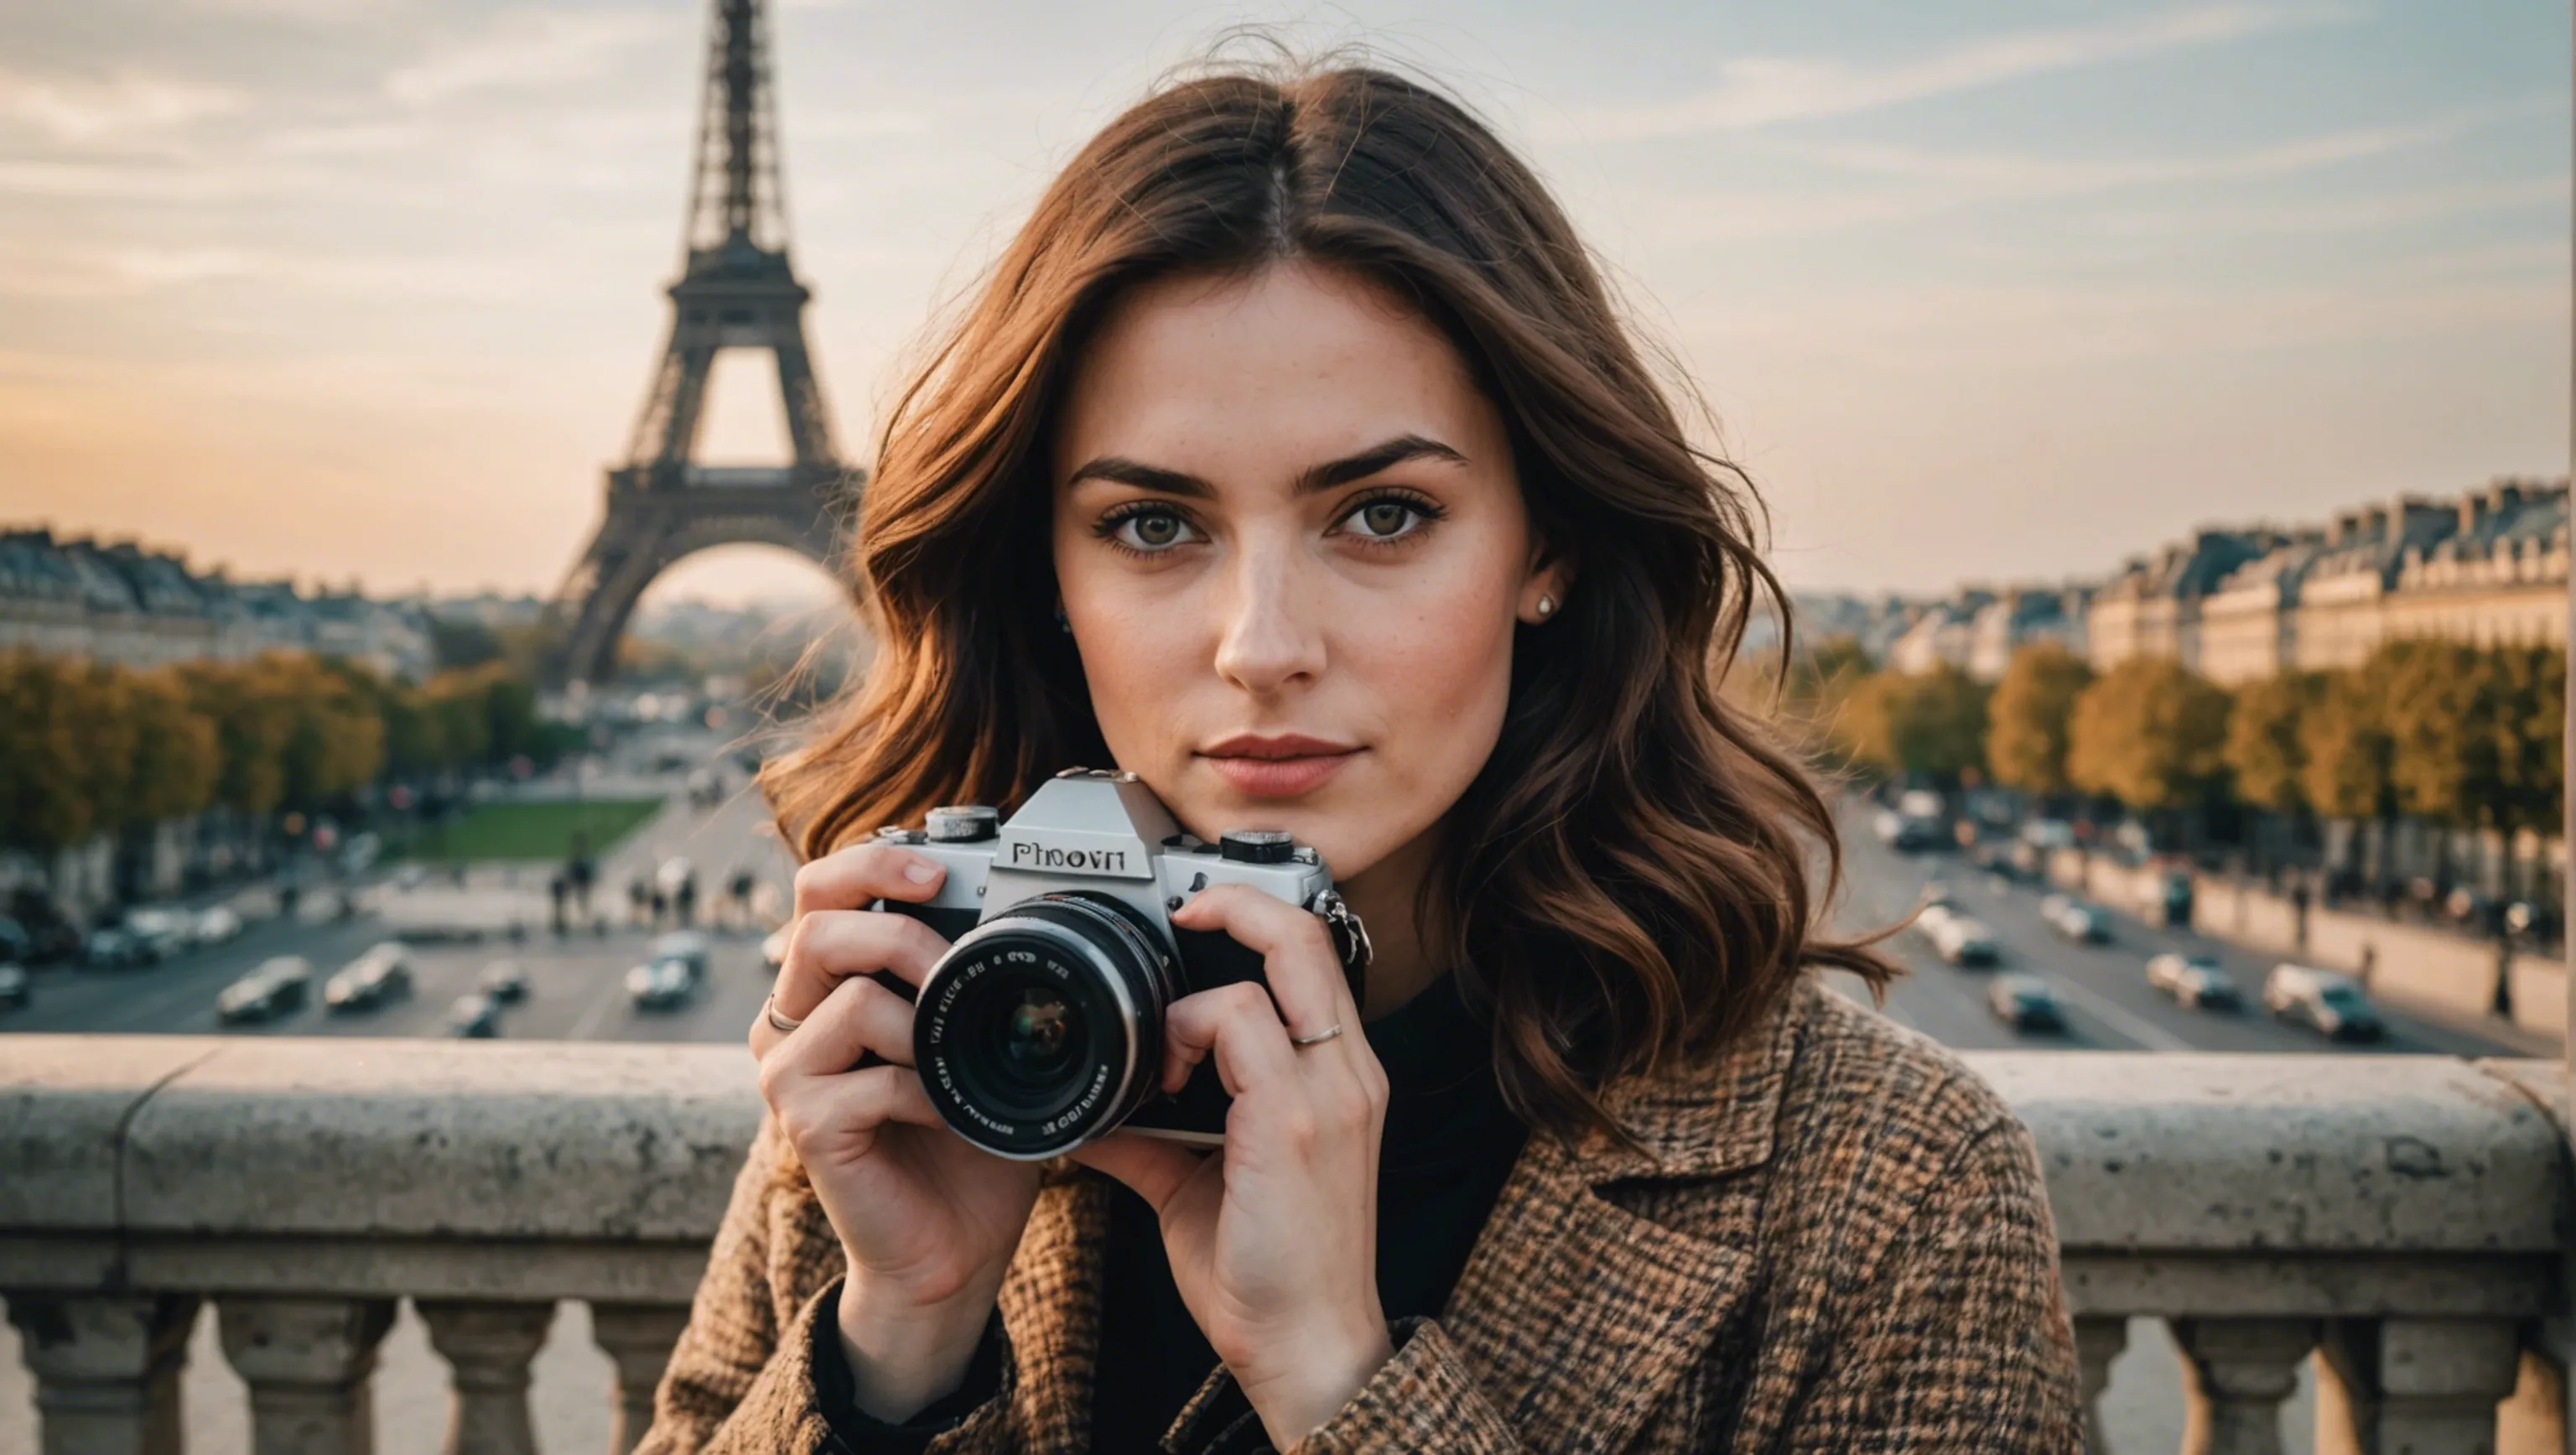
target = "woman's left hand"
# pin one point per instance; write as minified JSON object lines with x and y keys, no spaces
{"x":1273,"y":1240}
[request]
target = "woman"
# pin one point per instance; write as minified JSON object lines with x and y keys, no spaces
{"x":1295,"y":460}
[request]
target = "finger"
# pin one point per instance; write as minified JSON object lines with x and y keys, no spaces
{"x":854,"y":877}
{"x":1153,"y":1169}
{"x":819,"y":1108}
{"x":829,"y":946}
{"x":1298,"y":958}
{"x":858,"y":1017}
{"x":1237,"y":1025}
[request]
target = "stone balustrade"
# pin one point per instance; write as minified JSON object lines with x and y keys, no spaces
{"x":2399,"y":1224}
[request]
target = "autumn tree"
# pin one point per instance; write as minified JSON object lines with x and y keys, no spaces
{"x":2149,"y":733}
{"x":2264,"y":748}
{"x":2028,"y":720}
{"x":176,"y":762}
{"x":45,"y":778}
{"x":1932,"y":723}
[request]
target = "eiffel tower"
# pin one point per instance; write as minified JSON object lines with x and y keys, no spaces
{"x":736,"y":290}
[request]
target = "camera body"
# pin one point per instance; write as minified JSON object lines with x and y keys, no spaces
{"x":1041,"y":1028}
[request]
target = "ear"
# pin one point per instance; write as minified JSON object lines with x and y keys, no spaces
{"x":1546,"y":579}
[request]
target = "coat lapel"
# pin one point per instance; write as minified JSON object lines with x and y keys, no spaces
{"x":1579,"y":1316}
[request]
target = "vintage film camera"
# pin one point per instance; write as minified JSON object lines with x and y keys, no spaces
{"x":1042,"y":1027}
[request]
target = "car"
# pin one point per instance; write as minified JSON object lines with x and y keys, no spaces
{"x":685,"y":945}
{"x":1929,"y":919}
{"x":2197,"y":981}
{"x":773,"y":949}
{"x":162,"y":931}
{"x":2025,"y":1003}
{"x":52,"y":935}
{"x":674,"y":870}
{"x":276,"y":986}
{"x":368,"y":981}
{"x":504,"y":981}
{"x":661,"y":984}
{"x":115,"y":948}
{"x":2326,"y":1001}
{"x":1916,"y":833}
{"x":1963,"y":941}
{"x":2076,"y":920}
{"x":216,"y":925}
{"x":474,"y":1017}
{"x":13,"y":984}
{"x":17,"y":947}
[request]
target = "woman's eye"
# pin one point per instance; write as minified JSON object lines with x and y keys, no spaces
{"x":1385,"y":520}
{"x":1152,"y":530}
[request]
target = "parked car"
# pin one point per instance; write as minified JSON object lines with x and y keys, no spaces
{"x":216,"y":925}
{"x":17,"y":947}
{"x":1963,"y":941}
{"x":661,"y":984}
{"x":504,"y":981}
{"x":368,"y":981}
{"x":474,"y":1017}
{"x":13,"y":984}
{"x":115,"y":948}
{"x":686,"y":945}
{"x":162,"y":931}
{"x":278,"y":985}
{"x":2196,"y":981}
{"x":2076,"y":920}
{"x":51,"y":934}
{"x":2025,"y":1003}
{"x":2326,"y":1001}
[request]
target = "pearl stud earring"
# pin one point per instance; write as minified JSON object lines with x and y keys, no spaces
{"x":1546,"y":607}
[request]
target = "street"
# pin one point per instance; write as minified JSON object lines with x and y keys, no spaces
{"x":2103,"y":987}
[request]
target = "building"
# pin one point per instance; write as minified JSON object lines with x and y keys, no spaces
{"x":2247,"y":623}
{"x":2342,"y":611}
{"x":2498,"y":579}
{"x":1942,"y":632}
{"x":2021,"y":616}
{"x":117,"y":602}
{"x":2153,"y":607}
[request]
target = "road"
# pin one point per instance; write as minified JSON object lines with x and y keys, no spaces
{"x":575,"y":984}
{"x":2103,"y":987}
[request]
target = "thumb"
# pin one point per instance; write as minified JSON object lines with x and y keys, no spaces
{"x":1151,"y":1168}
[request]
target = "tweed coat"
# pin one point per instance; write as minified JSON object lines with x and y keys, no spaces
{"x":1834,"y":1238}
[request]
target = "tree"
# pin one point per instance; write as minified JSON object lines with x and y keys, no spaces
{"x":45,"y":777}
{"x":176,"y":761}
{"x":2443,"y":710}
{"x":2028,"y":720}
{"x":252,"y":726}
{"x":1932,"y":724}
{"x":2149,"y":733}
{"x":335,"y":741}
{"x":2264,"y":749}
{"x":2532,"y":723}
{"x":2343,"y":748}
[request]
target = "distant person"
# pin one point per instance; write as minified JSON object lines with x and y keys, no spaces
{"x":684,"y":899}
{"x":1297,"y":459}
{"x":738,"y":890}
{"x":2369,"y":963}
{"x":2299,"y":911}
{"x":661,"y":906}
{"x":639,"y":897}
{"x":558,"y":890}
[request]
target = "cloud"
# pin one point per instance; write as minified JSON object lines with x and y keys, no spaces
{"x":2368,"y":212}
{"x":1756,"y":91}
{"x":82,"y":110}
{"x":527,"y":51}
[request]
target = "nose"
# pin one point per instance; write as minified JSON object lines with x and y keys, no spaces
{"x":1269,"y":639}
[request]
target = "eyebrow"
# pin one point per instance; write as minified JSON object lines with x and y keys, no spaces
{"x":1329,"y":475}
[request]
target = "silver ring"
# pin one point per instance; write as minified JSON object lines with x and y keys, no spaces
{"x":1317,"y":1039}
{"x":782,"y":1024}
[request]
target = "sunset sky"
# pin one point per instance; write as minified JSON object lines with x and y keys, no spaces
{"x":370,"y":288}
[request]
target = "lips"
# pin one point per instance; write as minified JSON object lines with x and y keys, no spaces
{"x":1281,"y":766}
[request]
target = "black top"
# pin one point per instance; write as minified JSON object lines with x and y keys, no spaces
{"x":1448,"y":1145}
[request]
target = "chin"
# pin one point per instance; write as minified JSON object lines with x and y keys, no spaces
{"x":1344,"y":823}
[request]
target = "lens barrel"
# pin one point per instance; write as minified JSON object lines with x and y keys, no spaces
{"x":1042,"y":1027}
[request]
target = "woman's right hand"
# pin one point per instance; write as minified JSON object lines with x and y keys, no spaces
{"x":927,"y":1222}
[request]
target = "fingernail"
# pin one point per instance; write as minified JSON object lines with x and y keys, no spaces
{"x":921,"y":871}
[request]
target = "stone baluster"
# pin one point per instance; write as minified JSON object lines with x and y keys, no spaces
{"x":107,"y":1370}
{"x":487,"y":1347}
{"x":307,"y":1362}
{"x":2098,"y":1341}
{"x":2236,"y":1372}
{"x":638,"y":1339}
{"x":2414,"y":1386}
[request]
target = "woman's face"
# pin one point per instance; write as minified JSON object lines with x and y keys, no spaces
{"x":1292,"y":550}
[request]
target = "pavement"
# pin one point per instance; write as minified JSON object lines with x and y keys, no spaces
{"x":575,"y":994}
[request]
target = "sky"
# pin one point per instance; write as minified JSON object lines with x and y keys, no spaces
{"x":370,"y":289}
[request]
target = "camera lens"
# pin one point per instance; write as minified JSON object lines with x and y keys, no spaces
{"x":1041,"y":1028}
{"x":1039,"y":1039}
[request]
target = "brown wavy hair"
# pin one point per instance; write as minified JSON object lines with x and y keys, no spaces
{"x":1630,"y":878}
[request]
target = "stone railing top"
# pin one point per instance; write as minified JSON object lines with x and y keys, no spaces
{"x":157,"y":1136}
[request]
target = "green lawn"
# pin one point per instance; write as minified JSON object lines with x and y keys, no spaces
{"x":538,"y":831}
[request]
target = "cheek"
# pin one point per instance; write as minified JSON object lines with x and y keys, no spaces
{"x":1142,"y":647}
{"x":1438,"y":664}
